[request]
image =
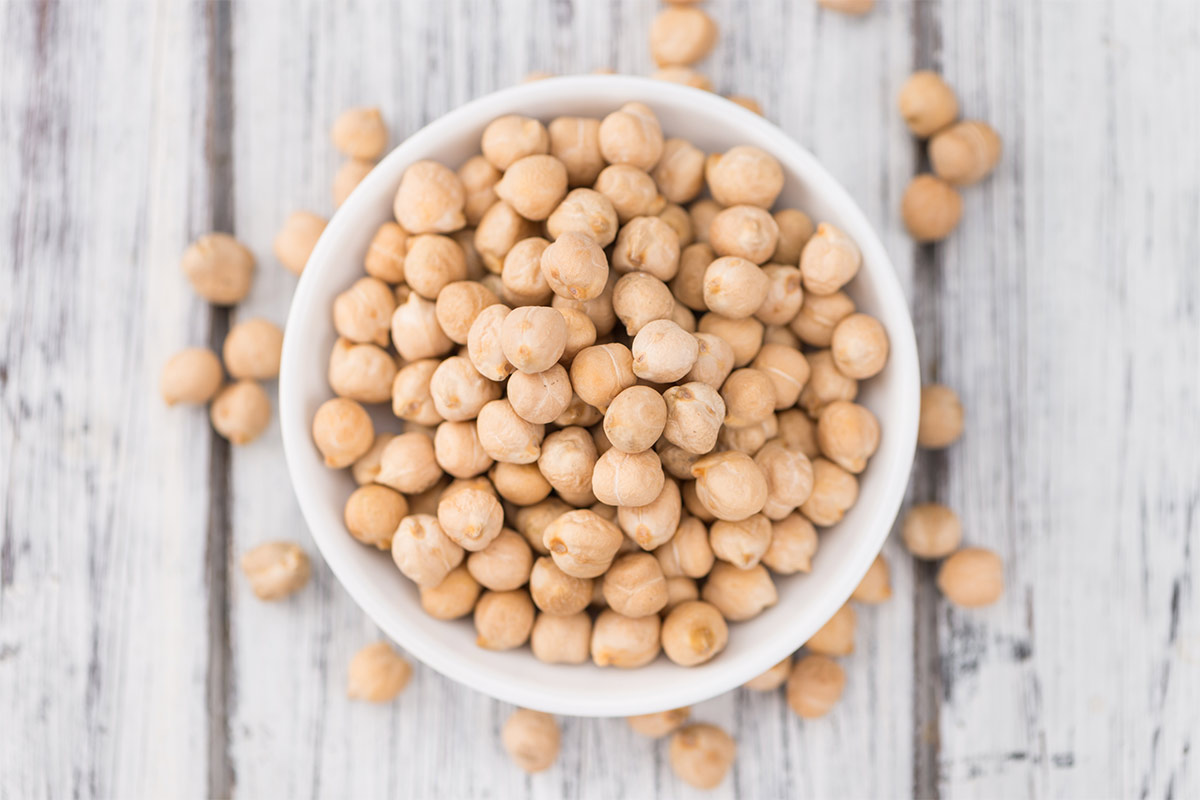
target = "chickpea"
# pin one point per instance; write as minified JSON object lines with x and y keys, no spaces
{"x":582,"y":543}
{"x":739,"y":594}
{"x":533,"y":186}
{"x":695,"y":412}
{"x":423,"y":552}
{"x":507,"y":437}
{"x":679,"y":221}
{"x":679,"y":174}
{"x":476,"y":269}
{"x":647,"y":244}
{"x":505,"y":563}
{"x":472,"y":518}
{"x":730,"y":485}
{"x":793,"y":545}
{"x":459,"y":391}
{"x":500,"y":228}
{"x":789,"y":475}
{"x":745,"y":336}
{"x":574,"y":266}
{"x":627,"y":479}
{"x":660,"y":723}
{"x":693,"y":633}
{"x":385,"y":254}
{"x":409,"y":463}
{"x":927,"y":103}
{"x":931,"y":208}
{"x":453,"y":598}
{"x":601,"y":372}
{"x":561,"y":639}
{"x":575,"y":141}
{"x":848,"y":434}
{"x":426,"y":502}
{"x":411,"y":398}
{"x":360,"y":133}
{"x":735,"y":287}
{"x":744,"y":175}
{"x":533,"y":338}
{"x":634,"y":586}
{"x":531,"y":739}
{"x":631,"y":135}
{"x":366,"y":469}
{"x":825,"y":383}
{"x":701,"y":755}
{"x":532,"y":519}
{"x":744,"y":231}
{"x":773,"y":678}
{"x":815,"y":686}
{"x":797,"y":429}
{"x":377,"y":674}
{"x":702,"y":213}
{"x":363,"y":312}
{"x":342,"y":428}
{"x":276,"y":569}
{"x":635,"y":419}
{"x":941,"y":420}
{"x":834,"y":491}
{"x":373,"y":513}
{"x":972,"y":577}
{"x":510,"y":138}
{"x":578,"y":413}
{"x":479,"y":179}
{"x":503,"y":620}
{"x":780,"y":334}
{"x":859,"y":346}
{"x":542,"y":397}
{"x":191,"y":376}
{"x":965,"y":153}
{"x":931,"y":531}
{"x":349,"y":175}
{"x":581,"y":334}
{"x":741,"y":543}
{"x":252,"y":349}
{"x":676,"y":461}
{"x":786,"y":369}
{"x":484,"y":346}
{"x":855,"y":8}
{"x":829,"y":261}
{"x":415,"y":330}
{"x":457,"y":306}
{"x":631,"y":191}
{"x":296,"y":239}
{"x":714,"y":361}
{"x":555,"y":592}
{"x":784,"y":296}
{"x":585,"y":212}
{"x":681,"y":36}
{"x":687,"y":553}
{"x":430,"y":199}
{"x":220,"y":268}
{"x":795,"y":229}
{"x":685,"y":76}
{"x":521,"y":484}
{"x":654,"y":523}
{"x":599,"y":309}
{"x":361,"y":372}
{"x":680,"y":590}
{"x":692,"y":504}
{"x":819,"y":315}
{"x":458,"y":451}
{"x":749,"y":397}
{"x":835,"y":637}
{"x":640,"y":298}
{"x":620,"y":641}
{"x":567,"y":460}
{"x":876,"y":586}
{"x":433,"y":262}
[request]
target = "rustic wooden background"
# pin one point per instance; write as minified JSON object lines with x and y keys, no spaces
{"x":134,"y":662}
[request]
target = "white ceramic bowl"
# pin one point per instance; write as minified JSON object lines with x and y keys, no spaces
{"x":805,"y":601}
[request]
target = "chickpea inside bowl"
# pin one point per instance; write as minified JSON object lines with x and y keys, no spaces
{"x":805,"y":601}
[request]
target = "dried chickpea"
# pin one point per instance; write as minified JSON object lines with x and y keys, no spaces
{"x":745,"y":231}
{"x":521,"y":484}
{"x":341,"y":428}
{"x":927,"y":103}
{"x":411,"y":399}
{"x":631,"y":191}
{"x":815,"y":686}
{"x":931,"y":208}
{"x":252,"y":349}
{"x":631,"y":135}
{"x":574,"y":266}
{"x":459,"y":391}
{"x":385,"y":254}
{"x":654,"y":523}
{"x":692,"y":504}
{"x":191,"y":376}
{"x":561,"y":639}
{"x":735,"y":287}
{"x":363,"y":312}
{"x":797,"y":429}
{"x":540,"y":397}
{"x":676,"y":461}
{"x":599,"y":309}
{"x":680,"y":590}
{"x":784,"y":296}
{"x":749,"y":397}
{"x":941,"y":420}
{"x":296,"y":239}
{"x":430,"y":199}
{"x":484,"y":346}
{"x":601,"y":372}
{"x":567,"y":460}
{"x":773,"y":678}
{"x":505,"y":436}
{"x":377,"y":674}
{"x":219,"y":268}
{"x":787,"y":370}
{"x":793,"y":545}
{"x":702,"y":213}
{"x":585,"y":212}
{"x":458,"y":451}
{"x":582,"y":543}
{"x":739,"y":594}
{"x":819,"y":315}
{"x":504,"y":563}
{"x":685,"y":76}
{"x":349,"y":175}
{"x":366,"y":469}
{"x":578,"y":413}
{"x":683,"y":317}
{"x":409,"y":463}
{"x":744,"y":175}
{"x":423,"y":552}
{"x":647,"y":244}
{"x":555,"y":592}
{"x":695,"y":412}
{"x":730,"y":485}
{"x":680,"y":171}
{"x":780,"y":334}
{"x":931,"y":531}
{"x":627,"y":479}
{"x":575,"y":141}
{"x":620,"y":641}
{"x":453,"y":598}
{"x":789,"y":476}
{"x":750,"y":439}
{"x":681,"y":36}
{"x":678,"y":220}
{"x":825,"y":383}
{"x":660,"y":723}
{"x":581,"y":334}
{"x":835,"y":637}
{"x":510,"y":138}
{"x":531,"y":739}
{"x":415,"y":330}
{"x":503,"y":620}
{"x":965,"y":153}
{"x":361,"y":372}
{"x":829,"y":261}
{"x":859,"y":346}
{"x":432,"y":262}
{"x":373,"y":513}
{"x":457,"y":306}
{"x":834,"y":491}
{"x":479,"y":179}
{"x":533,"y":186}
{"x":634,"y":585}
{"x":740,"y":543}
{"x":426,"y":502}
{"x":531,"y":519}
{"x":276,"y":569}
{"x":795,"y":229}
{"x":687,"y":553}
{"x":500,"y":228}
{"x":693,"y":633}
{"x":360,"y":133}
{"x":701,"y":755}
{"x":639,"y":298}
{"x":472,"y":518}
{"x":635,"y":419}
{"x":533,"y":338}
{"x":852,"y":7}
{"x":745,"y":336}
{"x":876,"y":586}
{"x":972,"y":577}
{"x":714,"y":361}
{"x":848,"y":434}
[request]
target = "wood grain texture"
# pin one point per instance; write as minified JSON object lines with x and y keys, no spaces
{"x":134,"y":661}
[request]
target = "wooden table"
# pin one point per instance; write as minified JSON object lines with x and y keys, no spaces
{"x":134,"y":662}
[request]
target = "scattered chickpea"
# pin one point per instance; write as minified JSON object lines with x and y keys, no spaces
{"x":647,"y":244}
{"x":459,"y":392}
{"x":363,"y":313}
{"x":927,"y":103}
{"x":825,"y":384}
{"x":876,"y":586}
{"x":472,"y":518}
{"x":693,"y":633}
{"x":834,"y":491}
{"x":533,"y":338}
{"x":685,"y":76}
{"x":626,"y":642}
{"x":656,"y":522}
{"x":789,"y":476}
{"x":377,"y":674}
{"x":795,"y":229}
{"x":349,"y":175}
{"x":744,"y":175}
{"x":635,"y":419}
{"x":749,"y":397}
{"x":853,"y":7}
{"x":835,"y":637}
{"x":931,"y":531}
{"x":972,"y":577}
{"x":366,"y":469}
{"x":941,"y":420}
{"x":815,"y":686}
{"x":688,"y":553}
{"x":531,"y":739}
{"x":423,"y":551}
{"x":582,"y":543}
{"x":409,"y":464}
{"x":373,"y":513}
{"x":360,"y":133}
{"x":745,"y":336}
{"x":520,"y":484}
{"x":276,"y":569}
{"x":457,"y":306}
{"x":415,"y":330}
{"x":695,"y":412}
{"x":191,"y":376}
{"x":453,"y":598}
{"x":240,"y":413}
{"x":575,"y":141}
{"x":931,"y":208}
{"x":385,"y":254}
{"x":714,"y":361}
{"x":702,"y":213}
{"x":701,"y":755}
{"x":510,"y":138}
{"x":741,"y":543}
{"x":296,"y":239}
{"x":659,"y":723}
{"x":748,"y":103}
{"x":601,"y":372}
{"x":745,"y":231}
{"x":219,"y":267}
{"x":829,"y":260}
{"x":627,"y":479}
{"x":965,"y":153}
{"x":819,"y":315}
{"x":793,"y":545}
{"x":631,"y":135}
{"x":534,"y":185}
{"x":681,"y":36}
{"x":773,"y":678}
{"x":631,"y":191}
{"x":562,"y":639}
{"x":640,"y":298}
{"x":498,"y":230}
{"x":680,"y":171}
{"x":575,"y":266}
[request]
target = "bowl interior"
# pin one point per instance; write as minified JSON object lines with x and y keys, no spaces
{"x":805,"y":601}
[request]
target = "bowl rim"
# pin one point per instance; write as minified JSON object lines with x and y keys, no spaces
{"x":296,"y":434}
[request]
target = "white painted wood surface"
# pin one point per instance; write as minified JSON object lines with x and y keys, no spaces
{"x":1066,"y":310}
